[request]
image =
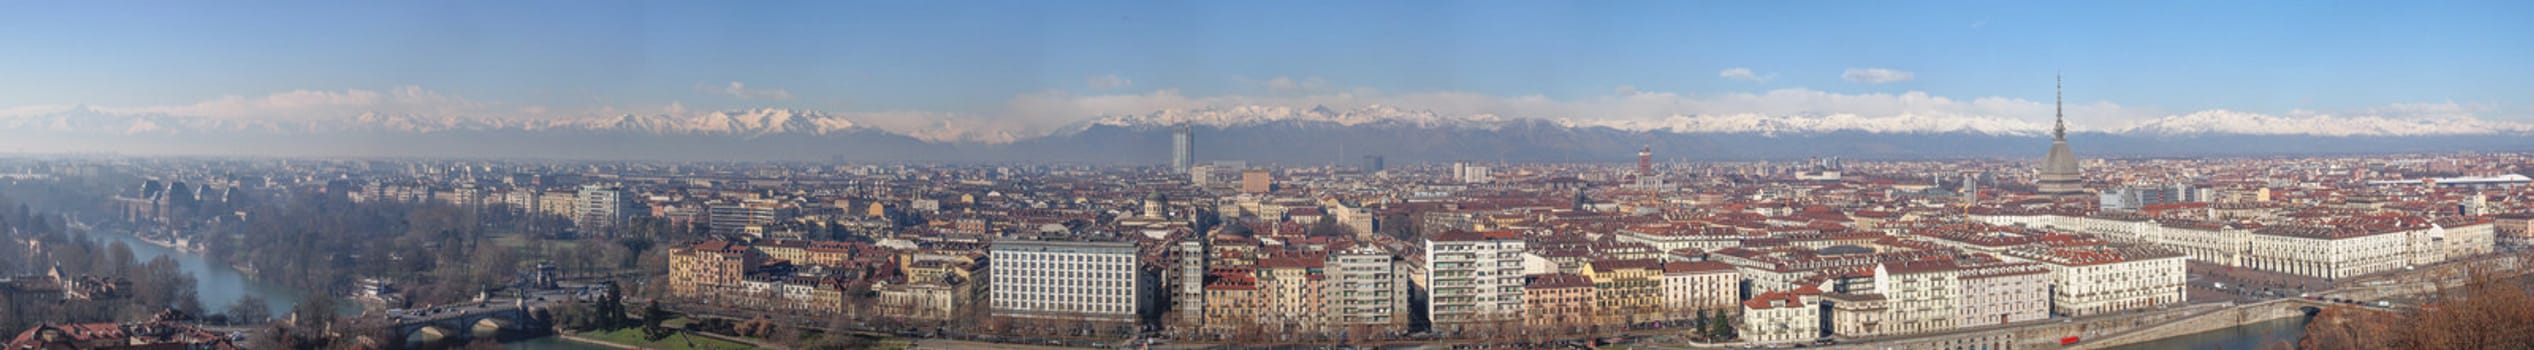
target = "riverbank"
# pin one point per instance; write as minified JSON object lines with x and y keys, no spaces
{"x":2091,"y":332}
{"x":597,"y":342}
{"x":632,"y":338}
{"x":2263,"y":335}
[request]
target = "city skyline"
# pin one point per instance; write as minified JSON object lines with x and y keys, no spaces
{"x":1117,"y":174}
{"x":1014,"y":72}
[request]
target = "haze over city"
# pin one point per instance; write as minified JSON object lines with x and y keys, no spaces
{"x":1237,"y":175}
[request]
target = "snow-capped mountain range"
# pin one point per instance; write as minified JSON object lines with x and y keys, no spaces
{"x":1256,"y":115}
{"x":752,"y":122}
{"x":770,"y":121}
{"x":2220,"y":122}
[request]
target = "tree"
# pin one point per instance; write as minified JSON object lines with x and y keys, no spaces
{"x":1701,"y":321}
{"x":2485,"y":311}
{"x":611,"y":307}
{"x":1327,"y":227}
{"x":833,"y":341}
{"x":118,"y":260}
{"x":575,"y":317}
{"x":250,"y":310}
{"x":652,"y":317}
{"x":1721,"y":328}
{"x":314,"y":314}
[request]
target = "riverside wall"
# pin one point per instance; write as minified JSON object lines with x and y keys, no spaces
{"x":2094,"y":332}
{"x":2228,"y":318}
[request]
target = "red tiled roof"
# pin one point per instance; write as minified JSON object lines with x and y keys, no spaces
{"x":1688,"y":267}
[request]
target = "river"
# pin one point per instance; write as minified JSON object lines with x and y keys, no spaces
{"x":217,"y":284}
{"x":220,"y":286}
{"x":2245,"y":337}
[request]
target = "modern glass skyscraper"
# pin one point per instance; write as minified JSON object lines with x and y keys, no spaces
{"x":1183,"y":148}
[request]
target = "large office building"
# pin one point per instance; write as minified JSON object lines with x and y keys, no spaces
{"x":601,"y":208}
{"x":1183,"y":148}
{"x":1468,"y":172}
{"x":1064,"y":280}
{"x":734,"y":218}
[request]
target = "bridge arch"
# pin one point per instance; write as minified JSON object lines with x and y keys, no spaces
{"x":490,"y":327}
{"x":426,"y":335}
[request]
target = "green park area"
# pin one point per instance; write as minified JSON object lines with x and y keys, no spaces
{"x":631,"y":336}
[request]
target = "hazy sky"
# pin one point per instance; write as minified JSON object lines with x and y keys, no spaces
{"x":1042,"y":62}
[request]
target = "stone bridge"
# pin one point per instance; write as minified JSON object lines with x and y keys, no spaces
{"x":458,"y":324}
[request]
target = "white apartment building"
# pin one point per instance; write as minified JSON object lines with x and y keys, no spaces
{"x":1994,"y":294}
{"x":2450,"y":239}
{"x":2326,"y":252}
{"x":2116,"y":227}
{"x":601,"y":208}
{"x":1689,"y":287}
{"x":1064,"y":280}
{"x":1189,"y":294}
{"x":1364,"y":288}
{"x":1920,"y":296}
{"x":2095,"y":280}
{"x":1665,"y":238}
{"x":2351,"y":250}
{"x":2209,"y":241}
{"x":1472,"y":277}
{"x":559,"y":203}
{"x":1781,"y":317}
{"x":1467,"y":172}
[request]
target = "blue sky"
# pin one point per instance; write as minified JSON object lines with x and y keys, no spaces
{"x":975,"y":59}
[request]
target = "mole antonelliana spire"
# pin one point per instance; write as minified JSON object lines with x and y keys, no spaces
{"x":2060,"y":175}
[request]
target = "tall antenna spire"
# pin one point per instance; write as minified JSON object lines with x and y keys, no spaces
{"x":2059,"y":99}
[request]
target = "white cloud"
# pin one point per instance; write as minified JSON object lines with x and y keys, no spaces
{"x":1110,"y":81}
{"x":314,"y":104}
{"x":741,"y":90}
{"x":1744,"y":74}
{"x":1876,"y":75}
{"x":1286,"y":84}
{"x":34,"y":110}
